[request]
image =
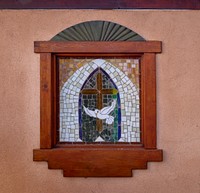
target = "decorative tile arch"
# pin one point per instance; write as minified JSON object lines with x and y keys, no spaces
{"x":69,"y":98}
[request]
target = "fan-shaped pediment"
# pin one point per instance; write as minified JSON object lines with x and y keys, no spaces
{"x":97,"y":31}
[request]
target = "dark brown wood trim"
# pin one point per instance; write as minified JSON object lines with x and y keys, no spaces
{"x":88,"y":162}
{"x":99,"y":4}
{"x":55,"y":100}
{"x":106,"y":55}
{"x":46,"y":108}
{"x":99,"y":145}
{"x":98,"y":47}
{"x":148,"y":99}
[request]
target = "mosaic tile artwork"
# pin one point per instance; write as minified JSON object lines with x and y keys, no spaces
{"x":98,"y":94}
{"x":99,"y":100}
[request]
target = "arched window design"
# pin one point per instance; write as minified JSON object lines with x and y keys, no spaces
{"x":99,"y":109}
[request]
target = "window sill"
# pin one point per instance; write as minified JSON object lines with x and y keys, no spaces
{"x":88,"y":162}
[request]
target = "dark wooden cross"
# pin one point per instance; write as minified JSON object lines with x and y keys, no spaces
{"x":99,"y":91}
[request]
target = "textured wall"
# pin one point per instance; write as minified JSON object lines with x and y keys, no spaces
{"x":178,"y":94}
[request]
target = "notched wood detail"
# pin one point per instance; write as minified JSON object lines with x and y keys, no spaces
{"x":83,"y":162}
{"x":45,"y":87}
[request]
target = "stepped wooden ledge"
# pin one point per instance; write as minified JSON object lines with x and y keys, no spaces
{"x":88,"y":162}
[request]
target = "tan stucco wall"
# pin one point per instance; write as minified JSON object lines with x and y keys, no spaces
{"x":178,"y":92}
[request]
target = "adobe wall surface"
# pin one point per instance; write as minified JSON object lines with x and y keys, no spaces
{"x":178,"y":92}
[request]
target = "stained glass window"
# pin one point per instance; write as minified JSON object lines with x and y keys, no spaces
{"x":99,"y":100}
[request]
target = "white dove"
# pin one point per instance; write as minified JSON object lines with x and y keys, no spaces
{"x":103,"y":113}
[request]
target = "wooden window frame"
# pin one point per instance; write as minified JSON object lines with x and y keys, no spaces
{"x":97,"y":160}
